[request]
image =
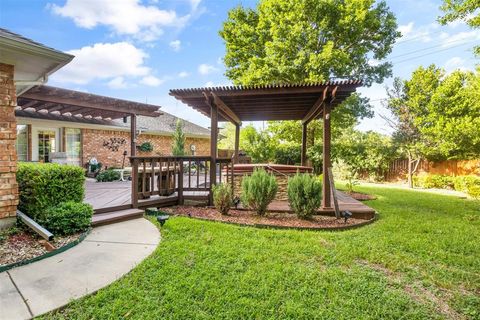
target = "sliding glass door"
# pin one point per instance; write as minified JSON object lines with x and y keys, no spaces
{"x":46,"y":144}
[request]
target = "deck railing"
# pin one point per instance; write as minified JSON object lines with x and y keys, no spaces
{"x":162,"y":180}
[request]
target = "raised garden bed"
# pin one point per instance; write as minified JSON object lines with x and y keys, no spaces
{"x":19,"y":246}
{"x":282,"y":220}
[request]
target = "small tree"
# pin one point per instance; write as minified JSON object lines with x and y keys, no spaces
{"x":304,"y":194}
{"x":222,"y":197}
{"x":178,"y":146}
{"x":258,"y":190}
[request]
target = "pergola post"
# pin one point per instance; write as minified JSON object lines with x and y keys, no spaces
{"x":133,"y":135}
{"x":213,"y":146}
{"x":326,"y":203}
{"x":304,"y":144}
{"x":237,"y":143}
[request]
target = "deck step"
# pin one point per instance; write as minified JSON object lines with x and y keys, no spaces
{"x":115,"y":216}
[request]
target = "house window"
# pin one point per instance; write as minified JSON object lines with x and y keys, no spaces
{"x":22,"y":142}
{"x":73,"y":145}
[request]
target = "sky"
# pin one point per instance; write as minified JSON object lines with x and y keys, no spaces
{"x":139,"y":50}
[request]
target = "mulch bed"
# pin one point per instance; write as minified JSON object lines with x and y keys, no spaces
{"x":273,"y":219}
{"x":23,"y":245}
{"x":361,"y":196}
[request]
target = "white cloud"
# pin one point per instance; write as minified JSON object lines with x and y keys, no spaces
{"x":117,"y":83}
{"x":455,"y":63}
{"x":195,"y":4}
{"x":124,"y":17}
{"x":406,"y":29}
{"x":449,"y":40}
{"x":151,"y":81}
{"x":205,"y":69}
{"x":176,"y":45}
{"x":103,"y":61}
{"x":209,"y":84}
{"x":183,"y":74}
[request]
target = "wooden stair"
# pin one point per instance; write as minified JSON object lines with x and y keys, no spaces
{"x":115,"y":216}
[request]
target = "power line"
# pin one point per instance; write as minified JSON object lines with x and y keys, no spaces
{"x":430,"y":53}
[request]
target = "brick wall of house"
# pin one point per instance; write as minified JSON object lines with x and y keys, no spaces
{"x":108,"y":146}
{"x":8,"y":134}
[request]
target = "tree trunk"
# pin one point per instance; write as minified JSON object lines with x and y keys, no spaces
{"x":410,"y":171}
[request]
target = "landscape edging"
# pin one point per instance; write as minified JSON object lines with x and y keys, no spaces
{"x":46,"y":255}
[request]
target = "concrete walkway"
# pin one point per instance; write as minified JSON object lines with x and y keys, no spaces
{"x":105,"y":255}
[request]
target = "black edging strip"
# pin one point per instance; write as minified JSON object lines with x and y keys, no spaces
{"x":267,"y":226}
{"x":46,"y":255}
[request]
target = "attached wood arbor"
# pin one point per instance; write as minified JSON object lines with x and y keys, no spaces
{"x":304,"y":102}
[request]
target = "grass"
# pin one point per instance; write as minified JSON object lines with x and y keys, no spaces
{"x":421,"y":260}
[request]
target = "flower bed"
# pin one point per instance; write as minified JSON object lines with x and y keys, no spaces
{"x":271,"y":219}
{"x":20,"y":246}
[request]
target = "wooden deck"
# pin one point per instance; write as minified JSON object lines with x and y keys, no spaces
{"x":345,"y":203}
{"x":114,"y":194}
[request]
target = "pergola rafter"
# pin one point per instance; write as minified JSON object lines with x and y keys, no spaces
{"x":304,"y":102}
{"x":53,"y":101}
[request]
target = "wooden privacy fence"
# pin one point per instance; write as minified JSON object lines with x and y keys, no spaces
{"x":169,"y":180}
{"x":398,"y":169}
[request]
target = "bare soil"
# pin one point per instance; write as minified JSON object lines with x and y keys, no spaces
{"x":274,"y":219}
{"x":361,"y":196}
{"x":21,"y":245}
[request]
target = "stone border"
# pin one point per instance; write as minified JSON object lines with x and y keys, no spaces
{"x":46,"y":255}
{"x":268,"y":226}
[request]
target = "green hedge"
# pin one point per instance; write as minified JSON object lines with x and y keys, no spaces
{"x":108,"y":176}
{"x":43,"y":185}
{"x":459,"y":183}
{"x":67,"y":217}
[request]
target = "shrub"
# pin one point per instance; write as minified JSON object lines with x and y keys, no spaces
{"x":222,"y":197}
{"x":430,"y":181}
{"x":287,"y":153}
{"x":258,"y":190}
{"x":474,"y":191}
{"x":463,"y":183}
{"x":42,"y":185}
{"x":67,"y":217}
{"x":108,"y":176}
{"x":304,"y":194}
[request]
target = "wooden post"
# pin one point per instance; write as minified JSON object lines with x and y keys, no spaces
{"x":213,"y":146}
{"x":304,"y":144}
{"x":133,"y":135}
{"x":180,"y":183}
{"x":134,"y":163}
{"x":326,"y":203}
{"x":237,"y":143}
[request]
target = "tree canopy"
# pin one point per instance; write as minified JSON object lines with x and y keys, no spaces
{"x":466,"y":10}
{"x":437,"y":113}
{"x":178,"y":145}
{"x":284,"y":41}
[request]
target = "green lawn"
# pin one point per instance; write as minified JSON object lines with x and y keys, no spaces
{"x":421,"y":260}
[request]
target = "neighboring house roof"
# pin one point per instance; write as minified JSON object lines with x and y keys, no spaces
{"x":33,"y":62}
{"x":165,"y":124}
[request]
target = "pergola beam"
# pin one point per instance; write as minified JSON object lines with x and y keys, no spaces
{"x":225,"y":109}
{"x":316,"y":107}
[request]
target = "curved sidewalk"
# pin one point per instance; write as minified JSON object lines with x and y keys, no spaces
{"x":105,"y":255}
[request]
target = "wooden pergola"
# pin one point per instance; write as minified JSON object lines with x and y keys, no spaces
{"x":304,"y":102}
{"x":53,"y":101}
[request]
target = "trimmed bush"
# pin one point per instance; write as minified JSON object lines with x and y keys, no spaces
{"x":463,"y":183}
{"x":258,"y":190}
{"x":436,"y":181}
{"x":474,"y":191}
{"x":67,"y":218}
{"x":108,"y":176}
{"x":222,"y":197}
{"x":42,"y":185}
{"x":304,"y":194}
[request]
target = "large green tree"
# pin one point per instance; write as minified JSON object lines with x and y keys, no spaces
{"x":284,"y":41}
{"x":437,"y":115}
{"x":466,"y":10}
